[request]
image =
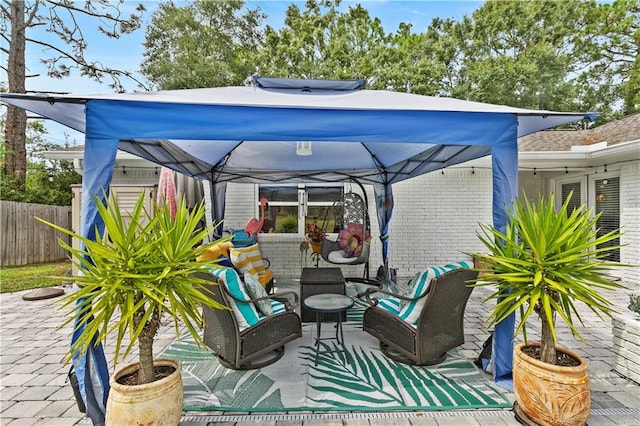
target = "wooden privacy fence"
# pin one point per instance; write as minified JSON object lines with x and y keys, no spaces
{"x":24,"y":240}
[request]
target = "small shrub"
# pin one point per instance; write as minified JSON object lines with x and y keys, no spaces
{"x":287,"y":224}
{"x":634,"y":303}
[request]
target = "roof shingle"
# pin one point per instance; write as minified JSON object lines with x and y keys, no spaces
{"x":624,"y":130}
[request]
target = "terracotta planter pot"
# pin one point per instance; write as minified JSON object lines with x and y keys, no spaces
{"x":548,"y":394}
{"x":157,"y":403}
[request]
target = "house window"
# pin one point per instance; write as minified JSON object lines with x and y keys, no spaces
{"x":291,"y":208}
{"x":607,"y":202}
{"x":604,"y":196}
{"x":577,"y":186}
{"x":573,"y":189}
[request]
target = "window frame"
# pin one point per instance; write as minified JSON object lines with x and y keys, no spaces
{"x":302,"y":203}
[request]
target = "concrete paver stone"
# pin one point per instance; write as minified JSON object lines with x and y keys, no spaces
{"x":33,"y":390}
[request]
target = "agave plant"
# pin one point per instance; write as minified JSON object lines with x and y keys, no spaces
{"x":545,"y":262}
{"x":140,"y":268}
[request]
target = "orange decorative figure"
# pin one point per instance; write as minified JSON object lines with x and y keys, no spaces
{"x":254,"y":225}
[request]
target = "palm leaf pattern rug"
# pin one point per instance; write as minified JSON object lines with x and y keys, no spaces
{"x":362,"y":379}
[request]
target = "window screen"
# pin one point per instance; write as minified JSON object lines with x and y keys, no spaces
{"x":576,"y":200}
{"x":608,"y":203}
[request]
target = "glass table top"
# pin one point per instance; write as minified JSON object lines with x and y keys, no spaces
{"x":328,"y":302}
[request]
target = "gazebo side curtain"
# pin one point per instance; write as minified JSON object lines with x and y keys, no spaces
{"x":504,"y":159}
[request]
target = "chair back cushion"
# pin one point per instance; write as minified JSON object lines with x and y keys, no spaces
{"x":411,"y":311}
{"x":248,"y":260}
{"x":245,"y":312}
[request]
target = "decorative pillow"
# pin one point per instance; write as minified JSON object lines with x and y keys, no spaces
{"x":248,"y":260}
{"x":338,"y":257}
{"x":351,"y":238}
{"x":245,"y":313}
{"x":411,"y":311}
{"x":255,"y":290}
{"x":215,"y":252}
{"x":353,"y":247}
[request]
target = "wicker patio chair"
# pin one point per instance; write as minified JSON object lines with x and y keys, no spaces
{"x":257,"y":346}
{"x":438,"y":329}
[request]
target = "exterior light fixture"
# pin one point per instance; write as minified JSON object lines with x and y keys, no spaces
{"x":303,"y":148}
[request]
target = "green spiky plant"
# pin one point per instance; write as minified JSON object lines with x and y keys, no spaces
{"x":545,"y":262}
{"x":141,"y":267}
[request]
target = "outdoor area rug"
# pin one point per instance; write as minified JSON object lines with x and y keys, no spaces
{"x":361,"y":380}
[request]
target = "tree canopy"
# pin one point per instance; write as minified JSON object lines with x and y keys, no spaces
{"x":571,"y":55}
{"x":63,"y":49}
{"x":203,"y":44}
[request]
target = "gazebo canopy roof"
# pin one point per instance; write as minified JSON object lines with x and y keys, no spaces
{"x":249,"y":134}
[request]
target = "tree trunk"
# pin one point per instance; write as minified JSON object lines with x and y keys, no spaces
{"x":146,"y":373}
{"x":547,"y":343}
{"x":15,"y":162}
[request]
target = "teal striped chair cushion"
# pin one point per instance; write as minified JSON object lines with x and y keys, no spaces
{"x":411,"y":311}
{"x":390,"y":304}
{"x":245,"y":313}
{"x":276,"y":308}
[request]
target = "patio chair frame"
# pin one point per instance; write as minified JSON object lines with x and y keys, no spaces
{"x":439,"y":328}
{"x":246,"y":349}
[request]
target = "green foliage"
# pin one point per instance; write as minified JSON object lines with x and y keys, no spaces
{"x":520,"y":53}
{"x":141,"y":268}
{"x":203,"y":44}
{"x":544,"y":262}
{"x":532,"y":54}
{"x":64,"y":46}
{"x":323,"y":43}
{"x":287,"y":224}
{"x":634,"y":303}
{"x":47,"y":181}
{"x":608,"y":46}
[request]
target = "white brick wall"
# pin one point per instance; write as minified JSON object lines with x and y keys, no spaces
{"x":626,"y":349}
{"x":630,"y":223}
{"x":434,"y":221}
{"x":435,"y":218}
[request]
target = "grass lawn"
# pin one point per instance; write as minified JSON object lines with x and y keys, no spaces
{"x":18,"y":278}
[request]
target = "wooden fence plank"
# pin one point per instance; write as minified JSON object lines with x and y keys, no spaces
{"x":24,"y":241}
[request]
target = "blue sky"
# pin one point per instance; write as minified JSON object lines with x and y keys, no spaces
{"x":126,"y":53}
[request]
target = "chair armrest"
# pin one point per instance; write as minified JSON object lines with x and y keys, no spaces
{"x":373,"y":301}
{"x":282,"y":297}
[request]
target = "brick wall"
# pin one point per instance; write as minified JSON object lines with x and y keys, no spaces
{"x":630,"y":223}
{"x":434,"y":221}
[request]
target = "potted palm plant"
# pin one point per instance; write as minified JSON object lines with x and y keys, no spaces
{"x":141,"y":268}
{"x":545,"y":262}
